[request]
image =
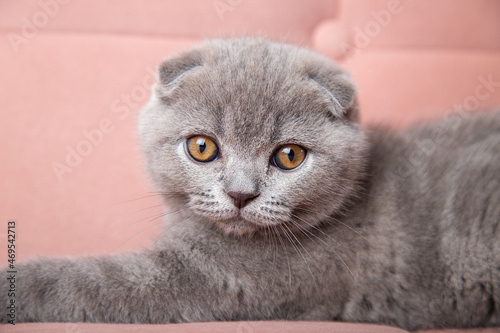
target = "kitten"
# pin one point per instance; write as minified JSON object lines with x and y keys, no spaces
{"x":288,"y":209}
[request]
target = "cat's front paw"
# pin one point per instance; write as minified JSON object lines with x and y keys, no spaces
{"x":31,"y":291}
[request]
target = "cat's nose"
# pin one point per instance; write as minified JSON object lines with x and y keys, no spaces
{"x":241,"y":199}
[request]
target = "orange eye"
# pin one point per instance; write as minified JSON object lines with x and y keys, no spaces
{"x":289,"y":157}
{"x":202,"y":148}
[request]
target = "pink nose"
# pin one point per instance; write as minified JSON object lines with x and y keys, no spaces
{"x":240,"y":200}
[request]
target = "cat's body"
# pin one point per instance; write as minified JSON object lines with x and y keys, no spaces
{"x":371,"y":226}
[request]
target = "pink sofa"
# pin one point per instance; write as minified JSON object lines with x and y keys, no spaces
{"x":74,"y":74}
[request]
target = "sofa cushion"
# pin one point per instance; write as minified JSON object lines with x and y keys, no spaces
{"x":407,"y":24}
{"x":399,"y":87}
{"x":291,"y":19}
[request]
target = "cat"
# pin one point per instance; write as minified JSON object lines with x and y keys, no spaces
{"x":284,"y":207}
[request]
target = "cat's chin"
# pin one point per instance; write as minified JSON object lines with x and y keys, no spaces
{"x":239,"y":223}
{"x":239,"y":227}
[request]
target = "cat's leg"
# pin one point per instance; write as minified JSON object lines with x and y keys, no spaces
{"x":153,"y":287}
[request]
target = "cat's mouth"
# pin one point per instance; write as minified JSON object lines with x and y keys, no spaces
{"x":238,"y":226}
{"x":247,"y":223}
{"x":251,"y":219}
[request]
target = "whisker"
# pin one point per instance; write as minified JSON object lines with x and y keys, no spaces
{"x":150,"y":218}
{"x":325,"y":243}
{"x":153,"y":194}
{"x":303,"y":247}
{"x":272,"y":237}
{"x":336,"y":220}
{"x":286,"y":254}
{"x":297,"y":249}
{"x":317,"y":229}
{"x":350,"y":228}
{"x":298,"y":241}
{"x":140,"y":232}
{"x":149,"y":226}
{"x":268,"y":238}
{"x":121,"y":220}
{"x":146,"y":208}
{"x":306,"y":232}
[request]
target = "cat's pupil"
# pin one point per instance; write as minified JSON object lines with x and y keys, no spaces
{"x":201,"y":145}
{"x":290,"y":153}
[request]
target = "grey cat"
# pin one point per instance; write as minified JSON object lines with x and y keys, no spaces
{"x":285,"y":208}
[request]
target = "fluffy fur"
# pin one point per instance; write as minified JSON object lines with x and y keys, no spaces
{"x":390,"y":228}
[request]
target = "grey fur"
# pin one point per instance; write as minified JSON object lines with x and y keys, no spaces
{"x":390,"y":228}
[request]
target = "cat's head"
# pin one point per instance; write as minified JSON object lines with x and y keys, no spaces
{"x":252,"y":135}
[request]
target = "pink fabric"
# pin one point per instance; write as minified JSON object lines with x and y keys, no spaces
{"x":74,"y":75}
{"x":462,"y":24}
{"x":293,"y":19}
{"x":228,"y":327}
{"x":405,"y":24}
{"x":423,"y":84}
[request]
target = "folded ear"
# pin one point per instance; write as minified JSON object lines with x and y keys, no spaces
{"x":337,"y":86}
{"x":171,"y":71}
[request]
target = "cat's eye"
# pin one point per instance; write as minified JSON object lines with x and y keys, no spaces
{"x":289,"y":157}
{"x":202,"y":148}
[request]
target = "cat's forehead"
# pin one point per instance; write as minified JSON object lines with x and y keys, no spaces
{"x":253,"y":95}
{"x":251,"y":110}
